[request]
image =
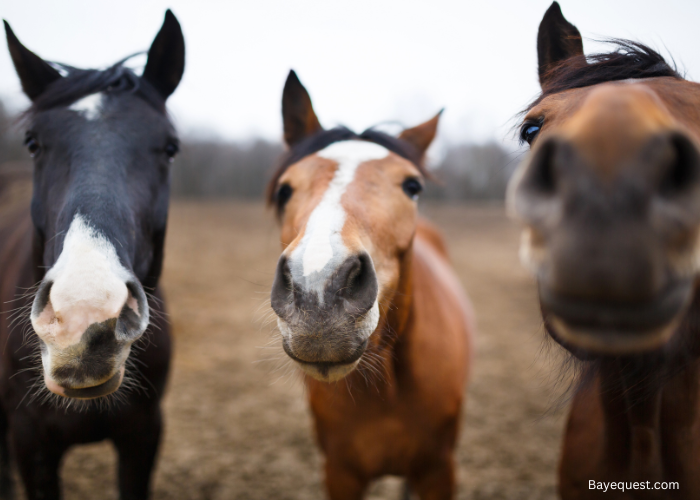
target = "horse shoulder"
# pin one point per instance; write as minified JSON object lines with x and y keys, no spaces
{"x":430,"y":235}
{"x":442,"y":326}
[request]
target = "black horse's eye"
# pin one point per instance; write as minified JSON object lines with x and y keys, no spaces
{"x":284,"y":193}
{"x":412,"y":187}
{"x":32,"y":145}
{"x":171,"y":149}
{"x":529,"y":131}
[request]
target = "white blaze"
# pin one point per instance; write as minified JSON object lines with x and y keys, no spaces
{"x":322,"y":242}
{"x":322,"y":250}
{"x":89,"y":106}
{"x":89,"y":286}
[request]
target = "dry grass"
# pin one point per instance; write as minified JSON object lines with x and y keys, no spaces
{"x":235,"y":429}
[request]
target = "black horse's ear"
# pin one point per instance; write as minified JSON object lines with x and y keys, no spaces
{"x":421,"y":136}
{"x":34,"y":73}
{"x":557,"y":40}
{"x":166,"y":57}
{"x":298,"y":115}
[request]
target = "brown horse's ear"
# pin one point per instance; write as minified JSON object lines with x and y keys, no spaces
{"x":557,"y":40}
{"x":34,"y":73}
{"x":421,"y":136}
{"x":166,"y":57}
{"x":298,"y":115}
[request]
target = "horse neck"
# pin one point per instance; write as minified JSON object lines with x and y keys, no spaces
{"x":650,"y":408}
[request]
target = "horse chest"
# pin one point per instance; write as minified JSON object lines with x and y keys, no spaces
{"x":378,"y":436}
{"x":605,"y":442}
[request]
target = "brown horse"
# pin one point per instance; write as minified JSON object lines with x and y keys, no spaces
{"x":367,"y":304}
{"x":610,"y":197}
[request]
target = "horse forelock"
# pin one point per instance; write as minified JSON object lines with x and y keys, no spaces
{"x":324,"y":138}
{"x":77,"y":84}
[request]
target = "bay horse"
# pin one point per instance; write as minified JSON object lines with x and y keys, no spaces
{"x":367,"y":304}
{"x":610,"y":200}
{"x":93,"y":362}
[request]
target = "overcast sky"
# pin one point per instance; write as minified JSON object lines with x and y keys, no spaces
{"x":363,"y":62}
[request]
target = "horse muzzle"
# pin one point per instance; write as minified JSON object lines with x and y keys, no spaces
{"x":325,"y":329}
{"x":607,"y":328}
{"x":86,"y":340}
{"x":91,"y":368}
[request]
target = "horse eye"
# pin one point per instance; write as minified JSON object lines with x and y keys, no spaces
{"x":529,"y":131}
{"x":284,"y":193}
{"x":32,"y":145}
{"x":171,"y":149}
{"x":412,"y":187}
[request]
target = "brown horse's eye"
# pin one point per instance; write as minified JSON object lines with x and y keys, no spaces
{"x":32,"y":145}
{"x":412,"y":187}
{"x":284,"y":193}
{"x":529,"y":131}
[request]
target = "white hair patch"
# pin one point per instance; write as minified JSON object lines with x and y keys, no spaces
{"x":89,"y":286}
{"x":322,"y":245}
{"x":89,"y":106}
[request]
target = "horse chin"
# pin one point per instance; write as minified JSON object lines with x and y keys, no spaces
{"x":93,"y":392}
{"x":327,"y":371}
{"x":607,"y":341}
{"x":324,"y":373}
{"x":604,"y":329}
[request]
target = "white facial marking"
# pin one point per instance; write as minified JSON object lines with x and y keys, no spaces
{"x":322,"y":244}
{"x":89,"y":286}
{"x":89,"y":106}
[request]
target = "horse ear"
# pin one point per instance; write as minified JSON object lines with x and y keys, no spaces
{"x":298,"y":115}
{"x":557,"y":40}
{"x":166,"y":57}
{"x":34,"y":73}
{"x":421,"y":136}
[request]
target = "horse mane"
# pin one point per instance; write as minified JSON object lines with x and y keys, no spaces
{"x":78,"y":83}
{"x":324,"y":138}
{"x":628,"y":60}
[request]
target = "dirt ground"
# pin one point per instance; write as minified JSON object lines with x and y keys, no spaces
{"x":237,"y":422}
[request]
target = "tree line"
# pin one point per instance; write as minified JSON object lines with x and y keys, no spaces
{"x":216,"y":168}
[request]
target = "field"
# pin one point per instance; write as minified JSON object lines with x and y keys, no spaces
{"x":237,"y":421}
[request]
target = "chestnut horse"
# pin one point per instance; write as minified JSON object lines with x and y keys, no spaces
{"x":610,"y":199}
{"x":367,"y":304}
{"x":92,"y":241}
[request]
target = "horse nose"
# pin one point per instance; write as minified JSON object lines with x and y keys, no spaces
{"x":351,"y":288}
{"x":596,"y":226}
{"x":63,"y":310}
{"x":86,"y":329}
{"x":666,"y":164}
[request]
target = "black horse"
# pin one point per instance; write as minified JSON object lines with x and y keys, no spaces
{"x":94,"y":362}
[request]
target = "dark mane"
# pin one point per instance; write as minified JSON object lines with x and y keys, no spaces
{"x":325,"y":138}
{"x":78,"y":83}
{"x":628,"y":60}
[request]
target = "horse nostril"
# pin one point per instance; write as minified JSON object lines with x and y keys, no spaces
{"x":134,"y":315}
{"x":540,"y":178}
{"x":682,"y":172}
{"x":42,"y":297}
{"x":356,"y":282}
{"x":282,"y":295}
